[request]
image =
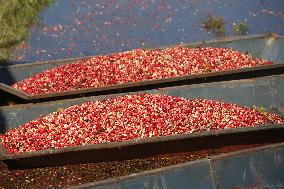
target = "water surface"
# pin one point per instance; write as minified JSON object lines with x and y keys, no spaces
{"x":77,"y":28}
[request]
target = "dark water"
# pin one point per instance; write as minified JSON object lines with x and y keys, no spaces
{"x":76,"y":28}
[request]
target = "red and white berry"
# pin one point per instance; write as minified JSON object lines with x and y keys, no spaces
{"x":130,"y":117}
{"x":134,"y":66}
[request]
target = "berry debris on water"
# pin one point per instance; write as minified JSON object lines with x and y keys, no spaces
{"x":130,"y":117}
{"x":134,"y":66}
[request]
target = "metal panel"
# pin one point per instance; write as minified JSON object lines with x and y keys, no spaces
{"x":268,"y":48}
{"x":260,"y":167}
{"x":263,"y":91}
{"x":189,"y":175}
{"x":256,"y":169}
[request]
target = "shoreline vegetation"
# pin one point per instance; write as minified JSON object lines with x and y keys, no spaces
{"x":16,"y":17}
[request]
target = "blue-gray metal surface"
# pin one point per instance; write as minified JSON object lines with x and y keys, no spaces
{"x":260,"y":167}
{"x":254,"y":170}
{"x":269,"y":47}
{"x":262,"y":91}
{"x":192,"y":175}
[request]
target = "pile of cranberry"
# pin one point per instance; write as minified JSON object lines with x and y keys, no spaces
{"x":130,"y":117}
{"x":134,"y":66}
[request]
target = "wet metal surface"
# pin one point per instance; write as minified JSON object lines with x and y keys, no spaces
{"x":189,"y":175}
{"x":260,"y":167}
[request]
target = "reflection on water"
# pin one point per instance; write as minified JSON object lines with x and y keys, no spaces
{"x":16,"y":16}
{"x":84,"y":27}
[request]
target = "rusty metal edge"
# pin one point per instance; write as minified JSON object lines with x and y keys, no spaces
{"x":208,"y":160}
{"x":243,"y":72}
{"x":14,"y":91}
{"x":5,"y":155}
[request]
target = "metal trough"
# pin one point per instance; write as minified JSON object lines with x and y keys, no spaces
{"x":266,"y":91}
{"x":268,"y":47}
{"x":260,"y":91}
{"x":196,"y":143}
{"x":261,"y":167}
